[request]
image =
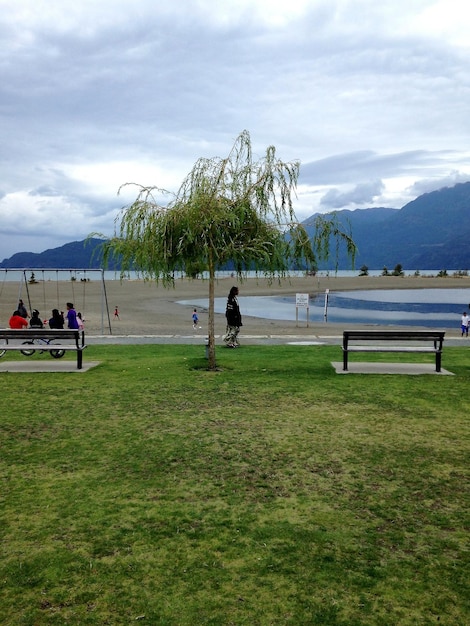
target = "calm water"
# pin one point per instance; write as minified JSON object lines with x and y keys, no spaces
{"x":435,"y":308}
{"x":15,"y":275}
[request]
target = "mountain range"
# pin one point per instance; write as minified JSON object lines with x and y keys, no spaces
{"x":74,"y":255}
{"x":431,"y":232}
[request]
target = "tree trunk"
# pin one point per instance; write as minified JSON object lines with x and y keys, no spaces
{"x":211,"y":334}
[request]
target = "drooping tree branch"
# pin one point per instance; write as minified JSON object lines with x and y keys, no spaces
{"x":231,"y":209}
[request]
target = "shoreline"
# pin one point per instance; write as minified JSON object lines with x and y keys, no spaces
{"x":147,"y":308}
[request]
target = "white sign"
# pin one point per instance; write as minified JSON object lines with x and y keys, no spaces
{"x":301,"y":300}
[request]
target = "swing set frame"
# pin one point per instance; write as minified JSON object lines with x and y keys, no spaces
{"x":73,"y":274}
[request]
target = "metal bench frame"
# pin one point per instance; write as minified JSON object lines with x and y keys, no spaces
{"x":392,"y":341}
{"x":12,"y":336}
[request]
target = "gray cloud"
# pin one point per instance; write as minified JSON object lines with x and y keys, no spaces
{"x":362,"y":194}
{"x":353,"y":167}
{"x":94,"y":95}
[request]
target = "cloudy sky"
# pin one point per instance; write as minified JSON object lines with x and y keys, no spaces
{"x":372,"y":97}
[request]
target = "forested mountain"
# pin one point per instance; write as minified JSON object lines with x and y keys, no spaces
{"x":431,"y":232}
{"x":74,"y":255}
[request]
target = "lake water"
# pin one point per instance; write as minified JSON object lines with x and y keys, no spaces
{"x":434,"y":308}
{"x":21,"y":275}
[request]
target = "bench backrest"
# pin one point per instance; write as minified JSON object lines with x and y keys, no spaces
{"x":28,"y":334}
{"x":385,"y":335}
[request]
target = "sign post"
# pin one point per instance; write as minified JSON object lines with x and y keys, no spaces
{"x":327,"y":291}
{"x":301,"y":302}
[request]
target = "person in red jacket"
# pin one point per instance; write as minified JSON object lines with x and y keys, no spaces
{"x":18,"y":322}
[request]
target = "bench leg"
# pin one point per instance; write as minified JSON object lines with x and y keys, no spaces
{"x":345,"y":360}
{"x":79,"y":359}
{"x":438,"y":361}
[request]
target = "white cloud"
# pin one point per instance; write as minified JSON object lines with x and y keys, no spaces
{"x":97,"y":94}
{"x":433,"y":184}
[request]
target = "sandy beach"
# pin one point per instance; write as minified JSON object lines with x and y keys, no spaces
{"x":147,"y":308}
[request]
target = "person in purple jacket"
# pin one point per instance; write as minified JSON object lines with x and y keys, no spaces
{"x":71,"y":317}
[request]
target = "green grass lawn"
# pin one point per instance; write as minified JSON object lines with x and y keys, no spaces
{"x":273,"y":491}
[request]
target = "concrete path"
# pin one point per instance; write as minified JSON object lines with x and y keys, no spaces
{"x":267,"y":339}
{"x":41,"y":365}
{"x":390,"y":368}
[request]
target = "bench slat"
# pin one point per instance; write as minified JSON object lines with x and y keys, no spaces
{"x":392,"y":349}
{"x":34,"y":333}
{"x":36,"y":346}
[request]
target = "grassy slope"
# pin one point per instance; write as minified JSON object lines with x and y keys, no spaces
{"x":271,"y":492}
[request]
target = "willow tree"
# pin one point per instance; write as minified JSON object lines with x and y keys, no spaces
{"x":234,"y":209}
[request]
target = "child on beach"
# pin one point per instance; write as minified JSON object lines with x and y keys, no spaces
{"x":195,"y":319}
{"x":464,"y":324}
{"x":80,"y":321}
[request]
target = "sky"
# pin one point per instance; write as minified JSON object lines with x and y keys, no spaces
{"x":373,"y":99}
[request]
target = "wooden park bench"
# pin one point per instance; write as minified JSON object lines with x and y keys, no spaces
{"x":393,"y":341}
{"x":51,"y":340}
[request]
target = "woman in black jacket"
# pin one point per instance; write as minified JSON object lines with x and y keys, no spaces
{"x":234,"y":319}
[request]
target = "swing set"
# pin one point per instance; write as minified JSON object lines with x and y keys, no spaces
{"x":77,"y":293}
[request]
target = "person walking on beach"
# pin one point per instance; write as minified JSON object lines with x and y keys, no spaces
{"x":234,"y":319}
{"x":464,"y":324}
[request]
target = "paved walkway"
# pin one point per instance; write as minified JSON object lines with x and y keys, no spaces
{"x":268,"y":339}
{"x":389,"y":368}
{"x":201,"y":338}
{"x":29,"y":365}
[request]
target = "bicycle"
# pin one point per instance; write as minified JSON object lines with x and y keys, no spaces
{"x":56,"y":353}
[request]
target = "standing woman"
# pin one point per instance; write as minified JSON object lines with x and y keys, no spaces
{"x":234,"y":319}
{"x":71,"y":317}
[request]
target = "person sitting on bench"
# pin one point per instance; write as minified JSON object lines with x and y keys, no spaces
{"x":57,"y":319}
{"x":17,"y":321}
{"x":35,"y":321}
